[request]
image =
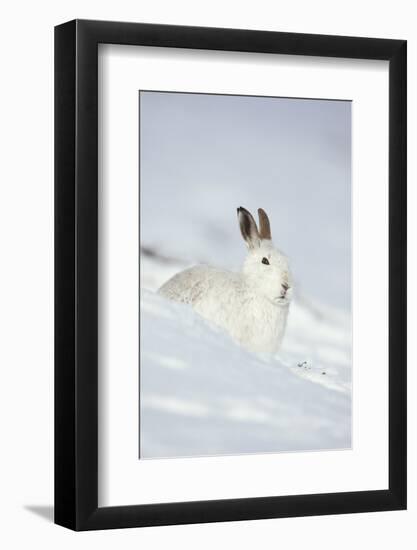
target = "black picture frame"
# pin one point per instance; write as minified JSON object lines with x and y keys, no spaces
{"x":76,"y":272}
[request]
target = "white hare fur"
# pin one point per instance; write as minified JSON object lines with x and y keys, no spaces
{"x":251,"y":305}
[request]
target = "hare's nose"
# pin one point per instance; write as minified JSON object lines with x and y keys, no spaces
{"x":285,"y":287}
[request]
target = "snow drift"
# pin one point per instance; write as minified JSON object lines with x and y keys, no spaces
{"x":201,"y":394}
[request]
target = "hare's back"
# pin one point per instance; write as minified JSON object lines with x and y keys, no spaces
{"x":193,"y":284}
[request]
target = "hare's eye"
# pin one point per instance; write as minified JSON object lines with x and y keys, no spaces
{"x":265,"y":261}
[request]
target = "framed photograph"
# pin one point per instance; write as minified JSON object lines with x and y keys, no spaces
{"x":230,"y":275}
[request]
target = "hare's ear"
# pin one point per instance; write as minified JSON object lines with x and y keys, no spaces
{"x":248,"y":228}
{"x":264,"y":225}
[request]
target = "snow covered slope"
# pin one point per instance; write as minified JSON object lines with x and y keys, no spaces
{"x":202,"y":394}
{"x":202,"y":156}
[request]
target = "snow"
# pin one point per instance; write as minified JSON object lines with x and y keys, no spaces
{"x":202,"y":157}
{"x":201,"y":394}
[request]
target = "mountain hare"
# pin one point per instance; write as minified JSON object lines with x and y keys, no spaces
{"x":252,"y":305}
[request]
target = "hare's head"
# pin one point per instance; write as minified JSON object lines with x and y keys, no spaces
{"x":265,"y":266}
